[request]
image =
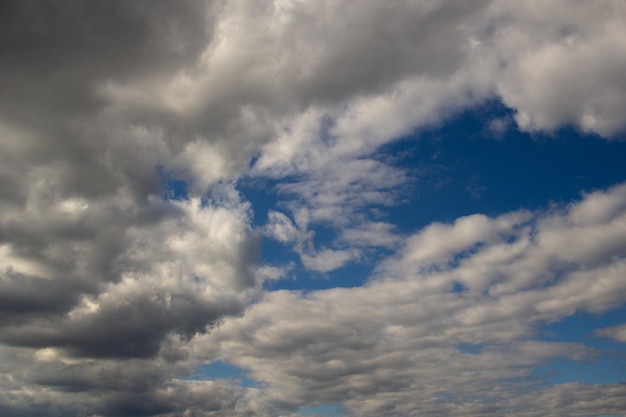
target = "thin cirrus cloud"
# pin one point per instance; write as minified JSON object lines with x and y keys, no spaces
{"x":112,"y":292}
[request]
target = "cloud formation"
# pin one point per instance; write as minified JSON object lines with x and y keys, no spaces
{"x":451,"y":323}
{"x":111,"y":291}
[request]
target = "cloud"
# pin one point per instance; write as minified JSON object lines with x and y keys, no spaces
{"x":450,"y":323}
{"x":514,"y":52}
{"x":124,"y":292}
{"x":555,"y":67}
{"x":109,"y":292}
{"x":326,"y":260}
{"x":616,"y":332}
{"x":377,"y":234}
{"x":281,"y":228}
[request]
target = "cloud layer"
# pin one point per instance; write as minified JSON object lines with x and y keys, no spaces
{"x":450,"y":325}
{"x":111,"y":291}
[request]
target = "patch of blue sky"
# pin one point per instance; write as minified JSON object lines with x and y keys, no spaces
{"x":351,"y":275}
{"x":277,"y":253}
{"x":323,"y":235}
{"x":463,"y":168}
{"x":172,"y":187}
{"x":329,"y":410}
{"x":603,"y":370}
{"x":580,"y":328}
{"x":609,"y":365}
{"x":456,"y":260}
{"x":220,"y":370}
{"x":263,"y":195}
{"x":470,"y":348}
{"x":458,"y":287}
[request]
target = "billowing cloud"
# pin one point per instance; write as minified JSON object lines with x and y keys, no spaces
{"x":549,"y":67}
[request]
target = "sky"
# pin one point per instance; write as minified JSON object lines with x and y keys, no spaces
{"x":312,"y":208}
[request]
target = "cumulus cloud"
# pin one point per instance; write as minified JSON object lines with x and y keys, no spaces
{"x":110,"y":292}
{"x":450,"y":323}
{"x":557,"y":68}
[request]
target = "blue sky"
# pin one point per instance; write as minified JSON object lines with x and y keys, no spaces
{"x":462,"y":168}
{"x":299,"y":208}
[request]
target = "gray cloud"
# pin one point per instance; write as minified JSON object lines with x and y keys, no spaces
{"x":615,"y":332}
{"x":55,"y":52}
{"x":163,"y":277}
{"x":107,"y":290}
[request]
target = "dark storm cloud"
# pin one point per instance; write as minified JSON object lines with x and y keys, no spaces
{"x":53,"y":52}
{"x":21,"y":294}
{"x":109,"y":388}
{"x":135,"y":320}
{"x":56,"y":55}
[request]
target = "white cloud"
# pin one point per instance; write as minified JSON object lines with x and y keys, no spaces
{"x":326,"y":260}
{"x":105,"y":286}
{"x":558,"y":63}
{"x":616,"y":332}
{"x":396,"y":344}
{"x":281,"y":228}
{"x":377,"y":234}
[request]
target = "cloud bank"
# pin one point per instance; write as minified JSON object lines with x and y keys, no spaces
{"x":112,"y":291}
{"x":449,"y":325}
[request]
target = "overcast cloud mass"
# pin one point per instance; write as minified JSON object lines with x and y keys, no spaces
{"x":133,"y":254}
